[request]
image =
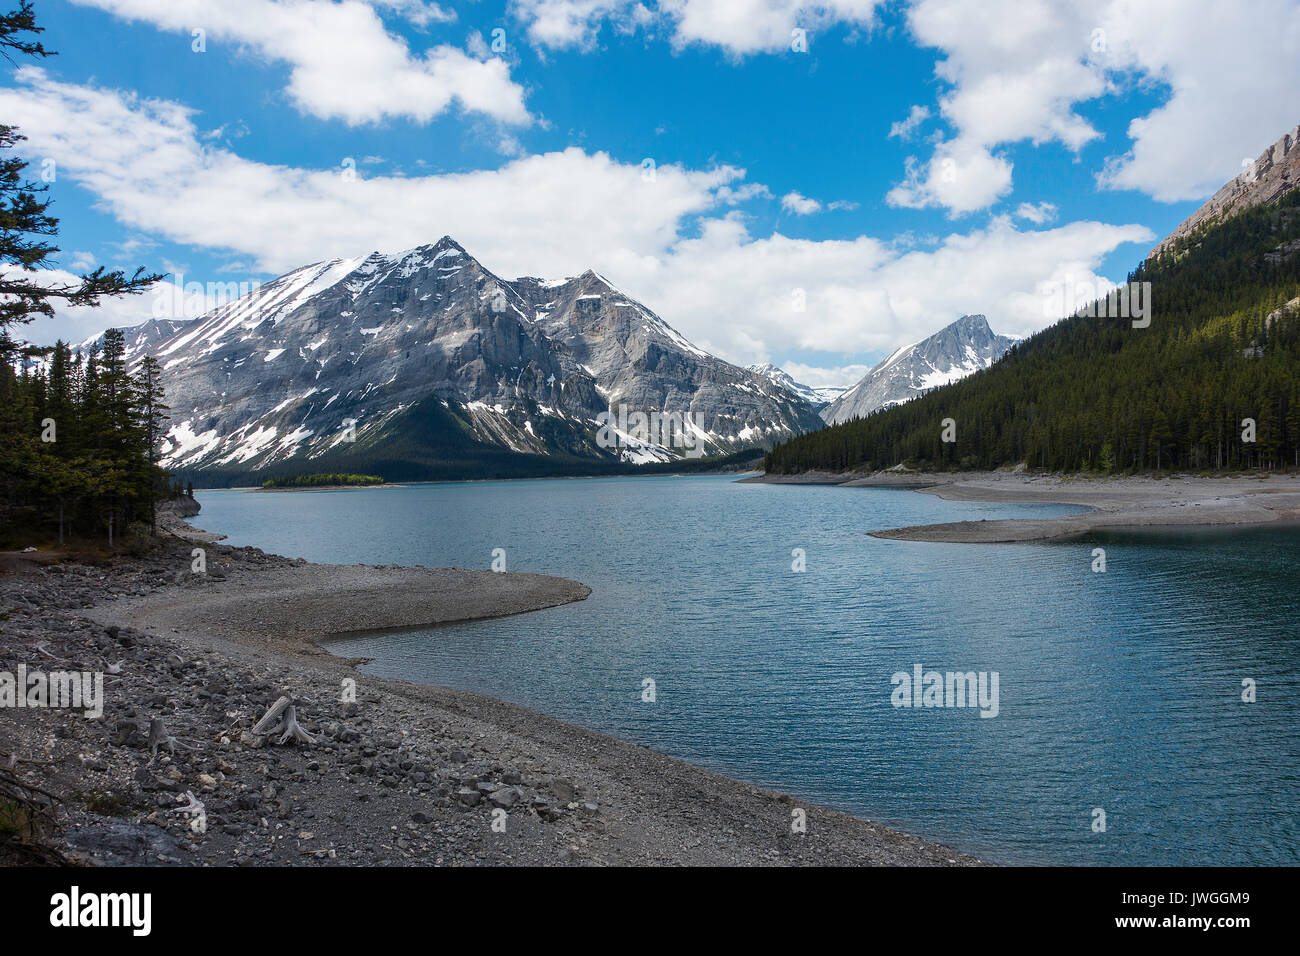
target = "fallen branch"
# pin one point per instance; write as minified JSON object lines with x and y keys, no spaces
{"x":28,"y":814}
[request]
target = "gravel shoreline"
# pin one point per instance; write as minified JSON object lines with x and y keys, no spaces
{"x":1128,"y":502}
{"x":403,"y":775}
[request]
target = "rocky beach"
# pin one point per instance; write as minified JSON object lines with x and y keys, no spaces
{"x":184,"y":768}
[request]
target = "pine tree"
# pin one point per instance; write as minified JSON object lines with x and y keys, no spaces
{"x":153,"y":414}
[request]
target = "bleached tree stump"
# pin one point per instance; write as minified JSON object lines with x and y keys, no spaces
{"x":282,"y":719}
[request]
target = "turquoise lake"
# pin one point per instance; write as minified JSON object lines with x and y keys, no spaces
{"x":1119,"y":691}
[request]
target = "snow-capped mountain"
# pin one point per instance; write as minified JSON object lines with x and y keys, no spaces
{"x":405,"y":364}
{"x":817,"y":397}
{"x":966,"y":346}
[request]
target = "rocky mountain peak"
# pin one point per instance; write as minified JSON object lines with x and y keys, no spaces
{"x":955,"y":351}
{"x":1275,"y":171}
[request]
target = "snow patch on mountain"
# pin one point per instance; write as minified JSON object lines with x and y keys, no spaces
{"x":817,"y":397}
{"x":966,"y":346}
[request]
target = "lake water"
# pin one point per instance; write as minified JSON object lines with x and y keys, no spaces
{"x":1119,"y":691}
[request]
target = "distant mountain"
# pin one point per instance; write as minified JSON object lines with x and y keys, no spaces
{"x":426,"y":364}
{"x":1208,"y":381}
{"x":966,"y":346}
{"x":817,"y":397}
{"x":1275,"y":171}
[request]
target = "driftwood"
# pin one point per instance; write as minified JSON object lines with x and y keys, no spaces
{"x":158,"y":737}
{"x":195,"y":810}
{"x":282,"y":718}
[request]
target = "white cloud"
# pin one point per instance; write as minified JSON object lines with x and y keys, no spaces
{"x":961,"y":177}
{"x":76,"y":324}
{"x":799,"y":204}
{"x":419,"y":12}
{"x":343,"y":63}
{"x":905,"y":128}
{"x":1037,"y":213}
{"x":1231,"y":80}
{"x":560,"y":24}
{"x":863,"y":296}
{"x":753,"y":26}
{"x":738,"y":26}
{"x":145,"y":162}
{"x":550,"y":215}
{"x":841,"y":376}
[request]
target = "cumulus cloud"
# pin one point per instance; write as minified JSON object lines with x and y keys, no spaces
{"x":799,"y":204}
{"x":752,"y":26}
{"x":167,"y":299}
{"x":1037,"y":213}
{"x":1230,"y":89}
{"x":674,"y":243}
{"x":145,"y":162}
{"x":959,"y":177}
{"x":1232,"y":82}
{"x":905,"y":128}
{"x":852,"y":297}
{"x":561,"y":24}
{"x":419,"y":12}
{"x":739,"y":27}
{"x":839,"y":376}
{"x":343,"y":63}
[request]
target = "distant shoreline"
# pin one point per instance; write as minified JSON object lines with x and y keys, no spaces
{"x":1114,"y":503}
{"x":747,"y":475}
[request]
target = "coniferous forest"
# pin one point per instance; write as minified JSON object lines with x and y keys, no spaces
{"x":1218,"y":365}
{"x":79,"y":433}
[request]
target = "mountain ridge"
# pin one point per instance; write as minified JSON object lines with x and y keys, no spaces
{"x":329,"y":363}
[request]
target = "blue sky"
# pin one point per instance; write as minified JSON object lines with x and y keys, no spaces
{"x":793,"y":214}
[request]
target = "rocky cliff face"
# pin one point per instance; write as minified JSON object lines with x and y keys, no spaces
{"x":1275,"y":171}
{"x":428,"y":355}
{"x":954,"y":352}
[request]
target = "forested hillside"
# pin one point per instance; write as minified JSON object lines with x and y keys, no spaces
{"x":80,"y":444}
{"x":1223,"y":346}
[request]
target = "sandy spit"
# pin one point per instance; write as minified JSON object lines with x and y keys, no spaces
{"x":1124,"y":502}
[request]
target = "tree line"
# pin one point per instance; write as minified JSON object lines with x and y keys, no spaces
{"x":325,"y":479}
{"x":79,"y":441}
{"x":1213,"y":383}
